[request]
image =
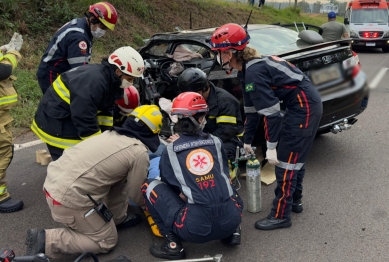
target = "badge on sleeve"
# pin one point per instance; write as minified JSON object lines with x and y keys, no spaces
{"x":249,"y":87}
{"x":83,"y":46}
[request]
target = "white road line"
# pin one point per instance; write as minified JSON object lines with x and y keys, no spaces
{"x":377,"y":79}
{"x":28,"y":144}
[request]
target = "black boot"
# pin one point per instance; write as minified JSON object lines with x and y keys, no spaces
{"x":170,"y":249}
{"x":130,"y":221}
{"x":234,"y":239}
{"x":10,"y":205}
{"x":35,"y":241}
{"x":270,"y":223}
{"x":297,"y":206}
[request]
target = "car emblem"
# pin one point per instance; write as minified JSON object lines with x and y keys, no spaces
{"x":326,"y":59}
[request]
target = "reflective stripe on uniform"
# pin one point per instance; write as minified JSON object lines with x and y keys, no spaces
{"x":241,"y":134}
{"x":287,"y":166}
{"x":270,"y":110}
{"x":12,"y":59}
{"x":3,"y":189}
{"x":226,"y":119}
{"x":8,"y":99}
{"x":61,"y":90}
{"x":54,"y":48}
{"x":219,"y":156}
{"x":105,"y":120}
{"x":146,"y":121}
{"x":52,"y":140}
{"x":151,"y":187}
{"x":95,"y":134}
{"x":284,"y":69}
{"x":78,"y":60}
{"x":211,"y":117}
{"x":178,"y":173}
{"x":249,"y":109}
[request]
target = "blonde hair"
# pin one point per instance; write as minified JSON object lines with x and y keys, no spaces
{"x":247,"y":54}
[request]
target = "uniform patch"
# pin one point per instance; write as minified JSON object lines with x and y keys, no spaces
{"x":199,"y":162}
{"x":249,"y":87}
{"x":82,"y":45}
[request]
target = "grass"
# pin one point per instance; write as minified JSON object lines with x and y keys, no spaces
{"x":38,"y":20}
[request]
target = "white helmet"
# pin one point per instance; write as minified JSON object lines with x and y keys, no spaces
{"x":128,"y":60}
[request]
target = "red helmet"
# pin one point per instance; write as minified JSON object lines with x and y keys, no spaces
{"x":129,"y":101}
{"x":188,"y":104}
{"x":106,"y":13}
{"x":230,"y":36}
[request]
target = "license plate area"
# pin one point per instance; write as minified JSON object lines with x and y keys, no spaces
{"x":325,"y":75}
{"x":370,"y":44}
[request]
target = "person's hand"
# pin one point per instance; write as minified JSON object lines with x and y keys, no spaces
{"x":4,"y":48}
{"x":15,"y":43}
{"x":173,"y":138}
{"x":271,"y":156}
{"x":248,"y":149}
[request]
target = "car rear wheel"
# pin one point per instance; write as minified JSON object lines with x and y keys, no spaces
{"x":385,"y":49}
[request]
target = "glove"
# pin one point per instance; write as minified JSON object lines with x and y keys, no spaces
{"x":271,"y":156}
{"x":15,"y":43}
{"x":4,"y":48}
{"x":248,"y":149}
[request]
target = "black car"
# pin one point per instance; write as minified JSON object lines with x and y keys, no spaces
{"x":332,"y":67}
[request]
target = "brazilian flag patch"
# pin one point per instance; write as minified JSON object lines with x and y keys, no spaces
{"x":249,"y":87}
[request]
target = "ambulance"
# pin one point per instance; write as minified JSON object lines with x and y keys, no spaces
{"x":367,"y":23}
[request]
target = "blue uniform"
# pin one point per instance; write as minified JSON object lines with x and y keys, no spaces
{"x":266,"y":82}
{"x":70,"y":47}
{"x":197,"y":167}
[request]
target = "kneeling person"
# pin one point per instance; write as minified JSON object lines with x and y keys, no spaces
{"x":194,"y":201}
{"x":110,"y":169}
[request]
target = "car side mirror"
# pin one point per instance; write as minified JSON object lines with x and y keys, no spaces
{"x":346,"y":21}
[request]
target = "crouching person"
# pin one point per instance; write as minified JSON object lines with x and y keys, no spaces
{"x":105,"y":171}
{"x":194,"y":201}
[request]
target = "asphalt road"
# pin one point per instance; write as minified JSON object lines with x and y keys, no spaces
{"x":345,"y":200}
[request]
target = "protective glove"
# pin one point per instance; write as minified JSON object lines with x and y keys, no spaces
{"x":248,"y":149}
{"x":4,"y":48}
{"x":15,"y":43}
{"x":271,"y":156}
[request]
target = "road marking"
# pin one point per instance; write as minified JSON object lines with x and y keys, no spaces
{"x":377,"y":79}
{"x":28,"y":144}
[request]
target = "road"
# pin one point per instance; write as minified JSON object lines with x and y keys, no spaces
{"x":346,"y":205}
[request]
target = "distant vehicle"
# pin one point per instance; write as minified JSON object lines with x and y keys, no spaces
{"x":332,"y":67}
{"x":330,"y":7}
{"x":367,"y":22}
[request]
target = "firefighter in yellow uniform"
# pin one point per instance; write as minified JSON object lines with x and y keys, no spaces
{"x":9,"y":58}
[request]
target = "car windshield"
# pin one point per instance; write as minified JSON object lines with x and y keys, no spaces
{"x":370,"y":16}
{"x":272,"y":41}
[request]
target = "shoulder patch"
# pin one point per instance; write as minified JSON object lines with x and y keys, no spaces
{"x":83,"y":45}
{"x":199,"y":162}
{"x":249,"y":87}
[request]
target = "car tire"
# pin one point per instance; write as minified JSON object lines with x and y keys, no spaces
{"x":385,"y":49}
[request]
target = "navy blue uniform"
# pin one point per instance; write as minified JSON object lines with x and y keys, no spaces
{"x":197,"y":167}
{"x":268,"y":81}
{"x":224,"y":119}
{"x":70,"y":47}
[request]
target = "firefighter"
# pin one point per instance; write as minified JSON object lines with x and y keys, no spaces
{"x":8,"y":99}
{"x":224,"y":119}
{"x":71,"y":45}
{"x":194,"y":200}
{"x":267,"y":80}
{"x":79,"y":103}
{"x":109,"y":169}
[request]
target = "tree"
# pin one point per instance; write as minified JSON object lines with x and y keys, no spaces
{"x":316,"y":7}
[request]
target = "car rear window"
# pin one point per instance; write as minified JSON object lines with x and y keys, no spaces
{"x":272,"y":41}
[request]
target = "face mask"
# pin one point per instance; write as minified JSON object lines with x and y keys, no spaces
{"x":225,"y":66}
{"x":98,"y":33}
{"x":126,"y":83}
{"x":203,"y":123}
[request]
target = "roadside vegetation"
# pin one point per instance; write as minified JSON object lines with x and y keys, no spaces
{"x":37,"y":21}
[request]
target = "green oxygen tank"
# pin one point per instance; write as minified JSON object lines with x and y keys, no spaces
{"x":253,"y":184}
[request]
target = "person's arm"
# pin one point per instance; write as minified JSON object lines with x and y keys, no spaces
{"x":79,"y":48}
{"x":136,"y":176}
{"x":226,"y":121}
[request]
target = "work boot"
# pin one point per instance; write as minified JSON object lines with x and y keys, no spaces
{"x":170,"y":249}
{"x":35,"y":241}
{"x":297,"y":206}
{"x":130,"y":221}
{"x":234,"y":239}
{"x":270,"y":223}
{"x":10,"y":205}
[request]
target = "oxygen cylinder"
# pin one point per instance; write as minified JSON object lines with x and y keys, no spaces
{"x":253,"y":184}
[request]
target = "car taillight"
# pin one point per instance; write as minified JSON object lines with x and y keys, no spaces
{"x":356,"y":70}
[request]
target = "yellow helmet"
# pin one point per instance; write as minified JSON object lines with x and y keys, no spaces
{"x":150,"y":115}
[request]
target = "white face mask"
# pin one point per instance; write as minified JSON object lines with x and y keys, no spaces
{"x":203,"y":123}
{"x":126,"y":83}
{"x":225,"y":66}
{"x":98,"y":33}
